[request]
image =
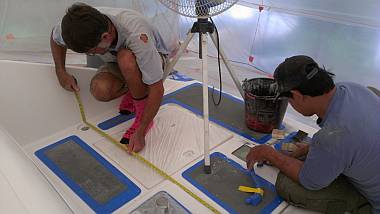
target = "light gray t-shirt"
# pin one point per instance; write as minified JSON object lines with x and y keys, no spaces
{"x":348,"y":143}
{"x":135,"y":33}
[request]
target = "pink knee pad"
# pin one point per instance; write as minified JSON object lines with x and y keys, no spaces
{"x":126,"y":106}
{"x":139,"y":106}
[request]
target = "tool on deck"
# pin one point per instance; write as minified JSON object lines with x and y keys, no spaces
{"x":258,"y":192}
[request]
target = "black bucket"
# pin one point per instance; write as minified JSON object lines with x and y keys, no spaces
{"x":262,"y":113}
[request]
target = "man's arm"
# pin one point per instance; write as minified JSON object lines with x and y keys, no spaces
{"x":156,"y":92}
{"x":290,"y":166}
{"x":59,"y":56}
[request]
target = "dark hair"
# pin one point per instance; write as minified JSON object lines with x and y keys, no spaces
{"x":82,"y":27}
{"x":320,"y":84}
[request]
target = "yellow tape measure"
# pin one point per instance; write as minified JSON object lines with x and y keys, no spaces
{"x":139,"y":157}
{"x":251,"y":190}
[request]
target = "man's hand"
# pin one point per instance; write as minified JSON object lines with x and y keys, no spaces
{"x":288,"y":165}
{"x":67,"y":81}
{"x":259,"y":153}
{"x":137,"y":142}
{"x":301,"y":150}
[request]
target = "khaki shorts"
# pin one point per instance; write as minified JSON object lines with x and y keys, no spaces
{"x":113,"y":67}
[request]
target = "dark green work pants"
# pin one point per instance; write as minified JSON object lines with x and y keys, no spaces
{"x":339,"y":197}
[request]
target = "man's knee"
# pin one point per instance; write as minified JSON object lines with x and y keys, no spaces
{"x":127,"y":61}
{"x":103,"y":86}
{"x":291,"y":191}
{"x":338,"y":197}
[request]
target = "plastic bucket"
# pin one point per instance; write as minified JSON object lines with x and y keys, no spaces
{"x":262,"y":112}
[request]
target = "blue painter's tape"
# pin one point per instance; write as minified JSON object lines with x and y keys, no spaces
{"x":181,"y":89}
{"x":111,"y":205}
{"x":199,"y":84}
{"x":114,"y":121}
{"x":180,"y":77}
{"x":263,"y":183}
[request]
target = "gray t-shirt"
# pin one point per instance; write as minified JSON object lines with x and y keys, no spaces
{"x":136,"y":34}
{"x":348,"y":143}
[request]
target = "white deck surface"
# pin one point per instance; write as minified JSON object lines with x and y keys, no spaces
{"x":36,"y":112}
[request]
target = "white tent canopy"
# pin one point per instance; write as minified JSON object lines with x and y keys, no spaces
{"x":342,"y":35}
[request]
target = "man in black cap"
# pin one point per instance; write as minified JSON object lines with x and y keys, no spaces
{"x":342,"y":161}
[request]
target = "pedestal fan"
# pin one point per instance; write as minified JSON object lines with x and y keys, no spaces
{"x":202,"y":10}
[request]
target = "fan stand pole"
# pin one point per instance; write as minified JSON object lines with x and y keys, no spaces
{"x":203,"y":27}
{"x":206,"y":134}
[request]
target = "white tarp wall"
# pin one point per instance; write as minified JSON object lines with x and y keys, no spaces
{"x":343,"y":35}
{"x":25,"y":26}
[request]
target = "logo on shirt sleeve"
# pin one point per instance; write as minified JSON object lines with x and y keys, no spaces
{"x":144,"y":38}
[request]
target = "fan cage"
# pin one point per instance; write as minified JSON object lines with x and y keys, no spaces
{"x":198,"y":8}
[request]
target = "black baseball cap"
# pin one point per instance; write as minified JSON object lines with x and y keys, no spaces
{"x":293,"y":72}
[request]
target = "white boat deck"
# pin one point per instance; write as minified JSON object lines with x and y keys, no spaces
{"x":37,"y":112}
